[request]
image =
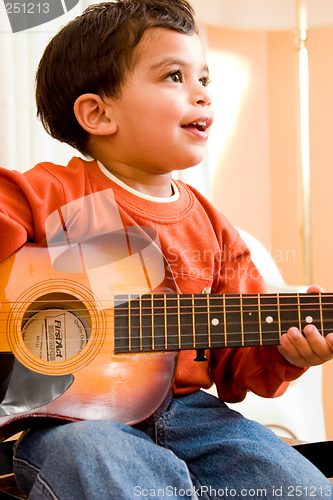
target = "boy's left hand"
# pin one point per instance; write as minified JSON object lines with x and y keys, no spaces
{"x":310,"y":349}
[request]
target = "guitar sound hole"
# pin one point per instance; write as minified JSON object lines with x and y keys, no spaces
{"x":56,"y":327}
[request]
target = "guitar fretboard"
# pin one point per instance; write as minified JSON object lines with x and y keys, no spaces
{"x":176,"y":322}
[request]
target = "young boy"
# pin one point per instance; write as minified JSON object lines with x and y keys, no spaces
{"x":126,"y":84}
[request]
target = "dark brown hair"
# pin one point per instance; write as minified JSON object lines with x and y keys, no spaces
{"x":93,"y":53}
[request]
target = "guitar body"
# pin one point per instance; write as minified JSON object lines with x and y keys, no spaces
{"x":57,"y":344}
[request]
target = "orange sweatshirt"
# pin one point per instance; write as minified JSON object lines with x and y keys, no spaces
{"x":203,"y":250}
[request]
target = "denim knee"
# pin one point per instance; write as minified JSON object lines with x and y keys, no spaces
{"x":73,"y":439}
{"x":66,"y":453}
{"x":93,"y":460}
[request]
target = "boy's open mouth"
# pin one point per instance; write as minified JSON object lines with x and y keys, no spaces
{"x":201,"y":125}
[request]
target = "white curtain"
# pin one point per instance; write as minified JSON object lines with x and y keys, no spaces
{"x":23,"y":141}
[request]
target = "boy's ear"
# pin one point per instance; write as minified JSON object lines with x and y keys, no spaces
{"x":94,"y":115}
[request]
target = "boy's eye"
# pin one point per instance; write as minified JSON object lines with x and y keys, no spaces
{"x":205,"y":81}
{"x":175,"y":76}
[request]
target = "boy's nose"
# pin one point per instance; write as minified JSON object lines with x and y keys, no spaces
{"x":203,"y":96}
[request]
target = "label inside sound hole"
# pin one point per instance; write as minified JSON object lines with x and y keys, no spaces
{"x":54,"y":335}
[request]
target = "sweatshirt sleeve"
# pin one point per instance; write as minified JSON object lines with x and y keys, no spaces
{"x":262,"y":370}
{"x":26,"y":200}
{"x":17,"y":198}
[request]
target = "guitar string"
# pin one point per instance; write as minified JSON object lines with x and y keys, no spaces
{"x":254,"y":304}
{"x":273,"y":339}
{"x":216,"y":308}
{"x":184,"y":311}
{"x":117,"y":337}
{"x":184,"y":297}
{"x":183,"y":324}
{"x":220,"y":344}
{"x":219,"y":305}
{"x":203,"y":297}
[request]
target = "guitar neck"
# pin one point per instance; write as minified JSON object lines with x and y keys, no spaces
{"x":177,"y":322}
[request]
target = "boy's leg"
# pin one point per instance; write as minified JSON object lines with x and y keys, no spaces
{"x":226,"y":455}
{"x":96,"y":460}
{"x":230,"y":456}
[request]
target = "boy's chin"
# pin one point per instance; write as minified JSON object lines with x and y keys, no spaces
{"x":194,"y":159}
{"x":188,"y":165}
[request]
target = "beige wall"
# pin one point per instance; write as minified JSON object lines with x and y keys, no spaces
{"x":321,"y":129}
{"x":255,"y":177}
{"x":241,"y":176}
{"x":285,"y":192}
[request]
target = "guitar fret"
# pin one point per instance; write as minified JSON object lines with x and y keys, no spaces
{"x":311,"y":310}
{"x":208,"y":322}
{"x":217,"y":321}
{"x":134,"y":327}
{"x":269,"y":320}
{"x":129,"y":325}
{"x":251,"y":320}
{"x":259,"y":319}
{"x":291,"y":310}
{"x":187,"y":321}
{"x":165,"y":324}
{"x":233,"y":320}
{"x":152,"y":324}
{"x":299,"y":313}
{"x":159,"y":340}
{"x":146,"y":324}
{"x":279,"y":315}
{"x":327,"y":315}
{"x":172,"y":323}
{"x":321,"y":316}
{"x":140,"y":320}
{"x":121,"y":323}
{"x":193,"y":322}
{"x":225,"y":322}
{"x":179,"y":330}
{"x":202,"y":340}
{"x":242,"y":318}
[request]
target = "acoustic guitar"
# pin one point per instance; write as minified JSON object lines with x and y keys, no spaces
{"x":71,"y":351}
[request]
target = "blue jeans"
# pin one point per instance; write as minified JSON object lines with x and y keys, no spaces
{"x":198,"y":449}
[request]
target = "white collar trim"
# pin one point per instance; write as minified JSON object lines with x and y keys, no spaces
{"x":122,"y":184}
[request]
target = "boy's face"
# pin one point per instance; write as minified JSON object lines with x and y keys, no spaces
{"x":164,"y":112}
